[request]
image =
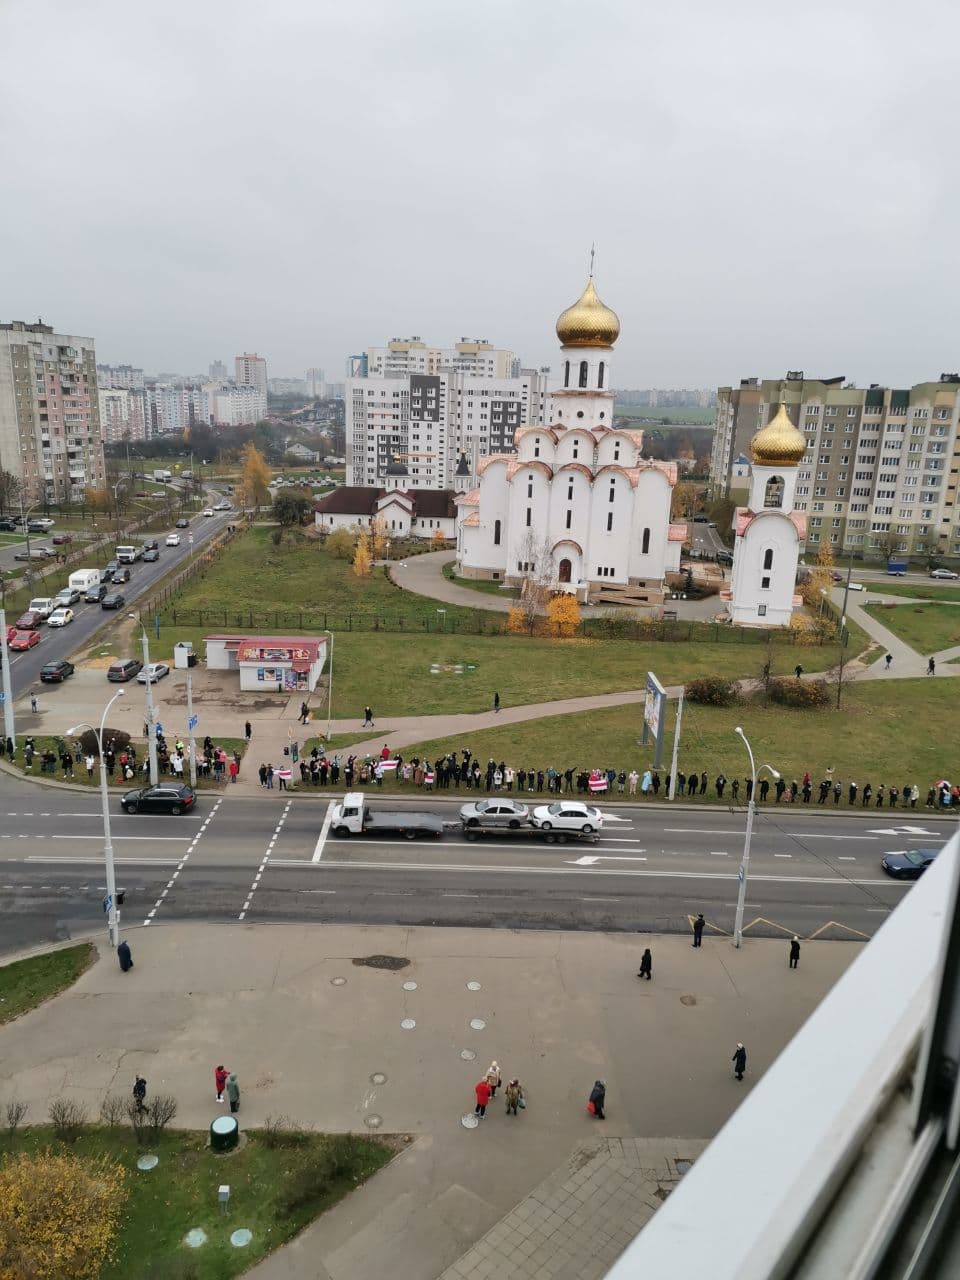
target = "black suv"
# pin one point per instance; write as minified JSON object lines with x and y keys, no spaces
{"x":166,"y":797}
{"x":7,"y":524}
{"x":56,"y":672}
{"x":120,"y":576}
{"x":122,"y":669}
{"x":95,"y":594}
{"x":115,"y":600}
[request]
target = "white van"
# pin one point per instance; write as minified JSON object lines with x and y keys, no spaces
{"x":128,"y":555}
{"x":44,"y":605}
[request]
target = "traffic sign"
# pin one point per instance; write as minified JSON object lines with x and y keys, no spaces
{"x":159,"y":728}
{"x":3,"y":697}
{"x":107,"y":904}
{"x":193,"y":722}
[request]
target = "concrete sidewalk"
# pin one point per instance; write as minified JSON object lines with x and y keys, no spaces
{"x":318,"y":1037}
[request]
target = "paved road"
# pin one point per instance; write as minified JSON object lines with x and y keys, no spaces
{"x":25,"y":667}
{"x":261,"y":859}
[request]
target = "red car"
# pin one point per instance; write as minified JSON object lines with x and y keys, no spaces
{"x":60,"y":539}
{"x":23,"y":640}
{"x":28,"y":621}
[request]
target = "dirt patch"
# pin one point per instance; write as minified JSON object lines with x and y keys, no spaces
{"x":688,"y":1000}
{"x":393,"y":963}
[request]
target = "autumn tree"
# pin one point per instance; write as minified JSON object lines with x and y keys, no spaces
{"x":437,"y":540}
{"x":291,"y":507}
{"x":10,"y":489}
{"x":361,"y":557}
{"x":821,"y":578}
{"x":254,"y":475}
{"x":684,"y":499}
{"x":563,"y":615}
{"x":340,"y":543}
{"x":58,"y":1215}
{"x":379,"y":538}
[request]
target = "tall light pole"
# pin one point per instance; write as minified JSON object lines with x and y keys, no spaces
{"x":329,"y":684}
{"x":745,"y":861}
{"x":9,"y":728}
{"x":113,"y":917}
{"x":151,"y":715}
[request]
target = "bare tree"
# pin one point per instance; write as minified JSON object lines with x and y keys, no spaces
{"x":537,"y":577}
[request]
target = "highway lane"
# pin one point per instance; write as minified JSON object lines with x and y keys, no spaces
{"x":25,"y":667}
{"x":811,"y":873}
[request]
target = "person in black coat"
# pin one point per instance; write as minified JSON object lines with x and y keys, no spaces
{"x":698,"y":930}
{"x":597,"y":1097}
{"x":124,"y":956}
{"x":646,"y":965}
{"x":739,"y":1061}
{"x":794,"y":952}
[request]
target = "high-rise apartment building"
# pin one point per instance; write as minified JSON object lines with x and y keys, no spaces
{"x":50,"y":436}
{"x":123,"y":377}
{"x":124,"y":414}
{"x":217,"y":371}
{"x":880,"y":472}
{"x":250,"y":370}
{"x":414,"y":421}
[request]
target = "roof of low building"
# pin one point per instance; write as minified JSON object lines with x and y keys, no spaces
{"x":361,"y":500}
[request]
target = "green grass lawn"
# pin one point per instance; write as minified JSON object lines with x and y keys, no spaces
{"x":928,"y":628}
{"x":26,"y":983}
{"x":79,"y":775}
{"x":893,"y":733}
{"x":180,"y":1194}
{"x":477,"y":584}
{"x":922,"y":591}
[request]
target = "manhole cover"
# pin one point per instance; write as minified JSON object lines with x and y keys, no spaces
{"x":410,"y":986}
{"x":378,"y":1077}
{"x":477,"y":1024}
{"x":195,"y":1238}
{"x":338,"y":982}
{"x":148,"y":1162}
{"x":470,"y":1120}
{"x":241,"y":1238}
{"x":473,"y":985}
{"x":408,"y":1024}
{"x":688,"y":999}
{"x":468,"y":1055}
{"x":683,"y":1166}
{"x":382,"y":962}
{"x":373,"y":1121}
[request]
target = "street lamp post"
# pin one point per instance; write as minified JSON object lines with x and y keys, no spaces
{"x":113,"y":916}
{"x":329,"y":685}
{"x":151,"y":715}
{"x":748,"y":835}
{"x":442,"y":614}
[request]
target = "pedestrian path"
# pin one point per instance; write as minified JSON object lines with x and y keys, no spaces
{"x":907,"y":663}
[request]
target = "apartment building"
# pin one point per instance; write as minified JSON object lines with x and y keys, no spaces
{"x":124,"y":413}
{"x":429,"y":430}
{"x":50,"y":436}
{"x":122,"y":377}
{"x":880,"y":473}
{"x":413,"y":355}
{"x":250,"y":370}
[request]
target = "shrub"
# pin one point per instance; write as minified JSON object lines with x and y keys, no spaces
{"x":517,"y":622}
{"x":563,"y":615}
{"x":67,"y":1117}
{"x":712,"y":691}
{"x":113,"y":1109}
{"x":139,"y":1118}
{"x":799,"y":694}
{"x":14,"y":1113}
{"x":163,"y":1108}
{"x":281,"y":1131}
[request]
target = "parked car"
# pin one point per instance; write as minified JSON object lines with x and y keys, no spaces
{"x":498,"y":812}
{"x":166,"y":797}
{"x":56,"y":672}
{"x":35,"y":553}
{"x":61,"y":539}
{"x":120,"y":576}
{"x":724,"y":557}
{"x":943,"y":573}
{"x":182,"y":523}
{"x":123,"y":669}
{"x":30,"y":620}
{"x":66,"y":596}
{"x":96,"y":593}
{"x":23,"y":640}
{"x":42,"y":523}
{"x":8,"y":524}
{"x":908,"y":864}
{"x":700,"y":519}
{"x":60,"y":618}
{"x":567,"y":815}
{"x":157,"y":671}
{"x":173,"y":539}
{"x":115,"y":600}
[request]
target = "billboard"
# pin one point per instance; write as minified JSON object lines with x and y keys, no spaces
{"x":654,"y":717}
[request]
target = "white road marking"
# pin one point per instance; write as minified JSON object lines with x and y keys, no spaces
{"x":142,"y":862}
{"x":182,"y":839}
{"x":819,"y":835}
{"x":783,"y":855}
{"x":590,"y":858}
{"x":845,"y":857}
{"x":184,"y":859}
{"x":719,"y":853}
{"x":324,"y":830}
{"x":264,"y":860}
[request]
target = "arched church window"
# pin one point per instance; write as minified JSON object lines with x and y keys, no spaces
{"x":496,"y":533}
{"x":583,"y":373}
{"x":645,"y":544}
{"x":768,"y":558}
{"x":773,"y":494}
{"x":566,"y":373}
{"x":600,"y":375}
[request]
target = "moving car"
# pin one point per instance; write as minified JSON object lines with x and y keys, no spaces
{"x":60,"y":618}
{"x":120,"y":576}
{"x":208,"y":511}
{"x":61,"y":539}
{"x":567,"y":815}
{"x":68,"y":596}
{"x":498,"y":812}
{"x":157,"y":671}
{"x":223,"y":505}
{"x":115,"y":600}
{"x":56,"y":672}
{"x":353,"y":816}
{"x":908,"y":864}
{"x":166,"y":797}
{"x":173,"y":539}
{"x":44,"y":605}
{"x":30,"y":620}
{"x":123,"y":669}
{"x":151,"y":544}
{"x":943,"y":573}
{"x":96,"y":593}
{"x":23,"y":640}
{"x":182,"y":523}
{"x":109,"y":569}
{"x":150,"y":555}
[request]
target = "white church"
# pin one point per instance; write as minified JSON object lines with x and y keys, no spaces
{"x":768,"y":530}
{"x":578,"y":505}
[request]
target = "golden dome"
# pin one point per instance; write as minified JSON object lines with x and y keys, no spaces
{"x":779,"y":442}
{"x":588,"y":323}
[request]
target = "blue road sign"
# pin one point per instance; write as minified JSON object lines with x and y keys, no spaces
{"x":159,"y":729}
{"x":193,"y":722}
{"x":3,"y":697}
{"x":107,"y":904}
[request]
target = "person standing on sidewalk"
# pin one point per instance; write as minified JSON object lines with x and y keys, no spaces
{"x":269,"y":776}
{"x":482,"y":1090}
{"x":513,"y":1096}
{"x":794,"y":952}
{"x":140,"y":1093}
{"x":931,"y":666}
{"x":284,"y":775}
{"x":493,"y":1077}
{"x":247,"y":730}
{"x":739,"y":1061}
{"x":646,"y":965}
{"x":698,"y":930}
{"x":220,"y":1074}
{"x":598,"y":1096}
{"x":367,"y":717}
{"x":496,"y":701}
{"x":33,"y":702}
{"x":233,"y":1091}
{"x":234,"y":770}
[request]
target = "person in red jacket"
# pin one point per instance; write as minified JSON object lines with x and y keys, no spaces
{"x":220,"y":1080}
{"x":483,"y":1097}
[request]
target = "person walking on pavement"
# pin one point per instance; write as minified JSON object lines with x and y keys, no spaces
{"x":598,"y":1096}
{"x":493,"y":1077}
{"x":794,"y":952}
{"x":247,"y":730}
{"x":496,"y":702}
{"x":739,"y":1061}
{"x":482,"y":1090}
{"x":646,"y":965}
{"x":513,"y":1096}
{"x":233,"y":1091}
{"x":798,"y":670}
{"x":887,"y":660}
{"x":33,"y":702}
{"x":367,"y":717}
{"x":698,"y":930}
{"x":304,"y":713}
{"x":931,"y":666}
{"x":140,"y":1093}
{"x":220,"y":1074}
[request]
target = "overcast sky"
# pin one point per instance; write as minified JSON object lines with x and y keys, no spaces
{"x":770,"y":185}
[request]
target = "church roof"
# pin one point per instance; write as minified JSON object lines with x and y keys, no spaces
{"x":589,"y":322}
{"x":779,"y":443}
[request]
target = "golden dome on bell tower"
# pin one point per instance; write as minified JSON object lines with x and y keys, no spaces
{"x":779,"y":442}
{"x":589,"y":322}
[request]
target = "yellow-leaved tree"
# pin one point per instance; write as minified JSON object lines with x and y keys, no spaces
{"x":379,"y":538}
{"x":254,"y":475}
{"x":361,"y":557}
{"x":563,"y":615}
{"x":821,"y":577}
{"x":58,"y":1215}
{"x":438,"y":541}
